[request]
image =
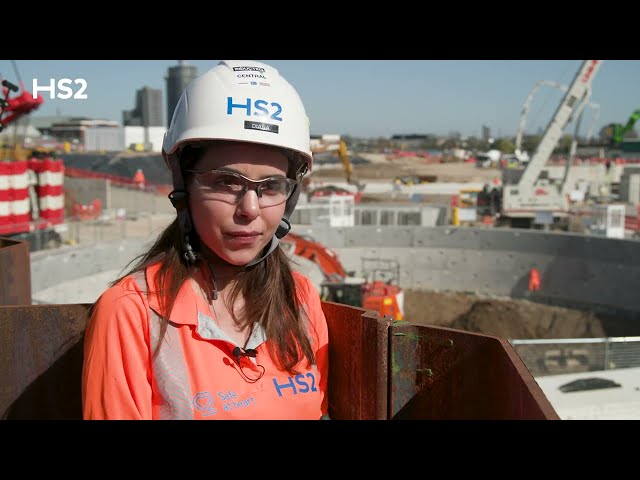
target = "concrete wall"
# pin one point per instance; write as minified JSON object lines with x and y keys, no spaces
{"x":51,"y":268}
{"x":576,"y":271}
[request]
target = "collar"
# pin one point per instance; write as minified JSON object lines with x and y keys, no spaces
{"x":191,"y":309}
{"x":187,"y":305}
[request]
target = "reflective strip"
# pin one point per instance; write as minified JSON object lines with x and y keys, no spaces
{"x":4,"y":182}
{"x":51,"y":203}
{"x":19,"y":181}
{"x":20,"y":207}
{"x":4,"y":209}
{"x":51,"y":178}
{"x":169,"y":368}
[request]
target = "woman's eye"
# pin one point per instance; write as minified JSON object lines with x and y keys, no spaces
{"x":272,"y":186}
{"x":227,"y":181}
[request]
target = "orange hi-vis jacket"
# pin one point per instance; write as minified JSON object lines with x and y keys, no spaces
{"x":196,"y":374}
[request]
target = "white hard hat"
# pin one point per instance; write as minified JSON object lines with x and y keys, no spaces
{"x":244,"y":101}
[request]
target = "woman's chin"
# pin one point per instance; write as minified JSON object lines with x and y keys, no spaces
{"x":241,"y":257}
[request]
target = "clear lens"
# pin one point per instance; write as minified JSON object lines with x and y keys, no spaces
{"x":231,"y":187}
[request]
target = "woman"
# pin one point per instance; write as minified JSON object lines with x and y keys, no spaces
{"x":212,"y":322}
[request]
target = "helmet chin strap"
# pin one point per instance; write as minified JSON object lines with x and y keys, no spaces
{"x":178,"y":199}
{"x":285,"y":227}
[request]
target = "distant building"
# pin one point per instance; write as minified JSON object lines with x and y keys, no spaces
{"x":121,"y":139}
{"x":148,"y":109}
{"x":44,"y":123}
{"x":486,"y":133}
{"x":178,"y":77}
{"x":73,"y":130}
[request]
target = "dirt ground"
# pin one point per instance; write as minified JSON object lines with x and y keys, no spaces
{"x":380,"y":169}
{"x":504,"y":317}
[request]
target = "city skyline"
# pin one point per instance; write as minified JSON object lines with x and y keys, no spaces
{"x":368,"y":98}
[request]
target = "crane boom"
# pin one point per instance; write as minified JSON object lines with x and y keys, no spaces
{"x":533,"y":192}
{"x":572,"y":98}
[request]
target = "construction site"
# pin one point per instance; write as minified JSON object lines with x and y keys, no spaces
{"x":434,"y":264}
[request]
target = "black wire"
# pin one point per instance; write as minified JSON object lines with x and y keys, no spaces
{"x":249,"y":379}
{"x":238,"y":353}
{"x":15,"y":68}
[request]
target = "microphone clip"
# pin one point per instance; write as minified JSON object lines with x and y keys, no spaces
{"x":238,"y":353}
{"x":241,"y":352}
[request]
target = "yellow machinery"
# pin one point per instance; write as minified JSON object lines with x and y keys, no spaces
{"x":346,"y":161}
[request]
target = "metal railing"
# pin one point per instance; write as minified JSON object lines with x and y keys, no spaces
{"x":571,"y":355}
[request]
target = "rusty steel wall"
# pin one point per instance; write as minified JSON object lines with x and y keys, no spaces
{"x":15,"y":272}
{"x":41,"y":361}
{"x":358,"y":363}
{"x":443,"y":373}
{"x":378,"y":369}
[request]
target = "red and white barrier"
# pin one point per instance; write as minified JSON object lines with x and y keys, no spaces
{"x":50,"y":189}
{"x":14,"y":196}
{"x":47,"y":178}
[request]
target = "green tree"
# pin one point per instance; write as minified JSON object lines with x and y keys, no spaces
{"x":564,"y":144}
{"x":504,"y":145}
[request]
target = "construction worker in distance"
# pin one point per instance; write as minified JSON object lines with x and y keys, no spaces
{"x":138,"y":178}
{"x":212,"y":322}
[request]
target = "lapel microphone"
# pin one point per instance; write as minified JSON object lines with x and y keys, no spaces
{"x":241,"y":352}
{"x":238,"y":353}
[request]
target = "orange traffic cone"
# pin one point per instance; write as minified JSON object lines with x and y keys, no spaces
{"x":534,"y":280}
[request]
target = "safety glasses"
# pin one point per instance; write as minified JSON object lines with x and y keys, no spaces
{"x":230,"y":187}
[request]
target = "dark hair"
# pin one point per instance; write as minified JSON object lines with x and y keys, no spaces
{"x":269,"y":285}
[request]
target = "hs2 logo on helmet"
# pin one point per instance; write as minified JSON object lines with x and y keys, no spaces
{"x":256,"y":108}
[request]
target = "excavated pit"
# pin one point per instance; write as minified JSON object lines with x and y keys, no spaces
{"x":511,"y":318}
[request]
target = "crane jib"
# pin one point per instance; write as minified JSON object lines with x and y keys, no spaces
{"x":524,"y":197}
{"x":592,"y":65}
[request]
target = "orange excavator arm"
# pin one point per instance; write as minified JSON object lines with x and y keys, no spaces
{"x":384,"y":298}
{"x":319,"y":254}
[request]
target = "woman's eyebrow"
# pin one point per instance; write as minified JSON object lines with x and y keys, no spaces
{"x":232,"y":170}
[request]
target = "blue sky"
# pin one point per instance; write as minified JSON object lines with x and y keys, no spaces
{"x":371,"y":98}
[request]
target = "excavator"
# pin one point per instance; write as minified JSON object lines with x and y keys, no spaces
{"x":613,"y":133}
{"x":343,"y":154}
{"x":322,"y":265}
{"x":334,"y":143}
